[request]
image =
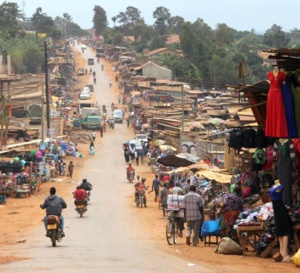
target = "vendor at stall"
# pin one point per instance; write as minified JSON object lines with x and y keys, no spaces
{"x":232,"y":207}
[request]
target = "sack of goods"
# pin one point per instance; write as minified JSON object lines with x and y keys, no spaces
{"x":176,"y":202}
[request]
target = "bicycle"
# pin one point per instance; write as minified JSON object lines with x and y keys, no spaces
{"x":172,"y":228}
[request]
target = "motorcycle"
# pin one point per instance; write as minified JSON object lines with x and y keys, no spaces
{"x":81,"y":207}
{"x":130,"y":176}
{"x":140,"y":199}
{"x":53,"y":230}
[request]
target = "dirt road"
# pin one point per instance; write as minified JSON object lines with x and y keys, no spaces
{"x":114,"y":235}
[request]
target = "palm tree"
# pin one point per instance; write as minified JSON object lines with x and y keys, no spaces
{"x":114,"y":19}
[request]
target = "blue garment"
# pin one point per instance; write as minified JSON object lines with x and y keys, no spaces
{"x":276,"y":192}
{"x":289,"y":108}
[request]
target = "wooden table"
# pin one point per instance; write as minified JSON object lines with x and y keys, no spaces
{"x":296,"y":228}
{"x":249,"y":234}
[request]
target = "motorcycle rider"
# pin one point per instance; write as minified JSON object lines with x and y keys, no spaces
{"x":140,"y":187}
{"x":129,"y":169}
{"x":85,"y":185}
{"x":80,"y":195}
{"x":54,"y":205}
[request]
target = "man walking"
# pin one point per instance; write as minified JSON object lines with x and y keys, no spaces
{"x":93,"y":136}
{"x":155,"y":187}
{"x":193,"y":205}
{"x":71,"y":168}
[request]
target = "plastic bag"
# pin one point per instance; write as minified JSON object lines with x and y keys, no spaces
{"x":211,"y":227}
{"x":296,"y":258}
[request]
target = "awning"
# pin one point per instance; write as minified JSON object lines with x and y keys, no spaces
{"x":218,"y":177}
{"x":174,"y":161}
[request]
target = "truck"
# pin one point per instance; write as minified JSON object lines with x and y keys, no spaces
{"x":99,"y":51}
{"x":90,"y":118}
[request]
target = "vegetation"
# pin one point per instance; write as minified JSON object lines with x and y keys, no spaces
{"x":19,"y":37}
{"x":210,"y":57}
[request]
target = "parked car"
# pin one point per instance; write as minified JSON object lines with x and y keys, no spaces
{"x":80,"y":72}
{"x":137,"y":143}
{"x":85,"y":95}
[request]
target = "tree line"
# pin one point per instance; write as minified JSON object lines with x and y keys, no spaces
{"x":211,"y":57}
{"x":22,"y":38}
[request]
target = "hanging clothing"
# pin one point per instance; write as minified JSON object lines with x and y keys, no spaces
{"x":284,"y":168}
{"x":296,"y":173}
{"x":289,"y":107}
{"x":296,"y":93}
{"x":276,"y":122}
{"x":283,"y":222}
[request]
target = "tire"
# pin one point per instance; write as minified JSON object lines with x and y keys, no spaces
{"x":81,"y":213}
{"x":53,"y":238}
{"x":169,"y":235}
{"x":141,"y":200}
{"x":175,"y":234}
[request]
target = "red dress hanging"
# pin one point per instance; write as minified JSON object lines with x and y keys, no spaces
{"x":276,"y":123}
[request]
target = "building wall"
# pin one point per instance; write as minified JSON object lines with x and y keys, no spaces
{"x":157,"y":72}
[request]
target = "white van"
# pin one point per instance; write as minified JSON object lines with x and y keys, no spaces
{"x":118,"y":116}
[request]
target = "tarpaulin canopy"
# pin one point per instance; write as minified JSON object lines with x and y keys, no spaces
{"x":174,"y":161}
{"x":219,"y":177}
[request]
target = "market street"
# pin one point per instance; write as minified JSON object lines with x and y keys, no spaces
{"x":109,"y":237}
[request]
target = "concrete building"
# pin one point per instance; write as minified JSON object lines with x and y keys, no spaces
{"x":152,"y":70}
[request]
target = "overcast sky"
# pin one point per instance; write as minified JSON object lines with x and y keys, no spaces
{"x":238,"y":14}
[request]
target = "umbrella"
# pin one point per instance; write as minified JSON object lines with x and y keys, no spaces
{"x":215,"y":121}
{"x":196,"y":124}
{"x":167,"y":148}
{"x":48,"y":139}
{"x":174,"y":161}
{"x":159,"y":142}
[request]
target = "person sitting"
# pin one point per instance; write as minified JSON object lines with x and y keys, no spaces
{"x":80,"y":195}
{"x":54,"y":204}
{"x":129,"y":169}
{"x":140,"y":188}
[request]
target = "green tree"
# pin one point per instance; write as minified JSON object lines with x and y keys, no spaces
{"x":33,"y":58}
{"x":128,"y":19}
{"x":275,"y":37}
{"x":99,"y":20}
{"x":176,"y":24}
{"x":9,"y":19}
{"x":42,"y":23}
{"x":162,"y":18}
{"x":223,"y":35}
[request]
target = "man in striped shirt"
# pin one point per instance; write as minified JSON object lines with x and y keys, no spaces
{"x":193,"y":205}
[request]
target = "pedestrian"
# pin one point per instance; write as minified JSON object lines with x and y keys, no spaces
{"x":71,"y":169}
{"x":104,"y":126}
{"x":101,"y":130}
{"x":110,"y":83}
{"x":92,"y":144}
{"x":193,"y":205}
{"x":132,"y":152}
{"x":86,"y":72}
{"x":93,"y":135}
{"x":155,"y":187}
{"x":126,"y":152}
{"x":92,"y":150}
{"x":137,"y":157}
{"x":164,"y":199}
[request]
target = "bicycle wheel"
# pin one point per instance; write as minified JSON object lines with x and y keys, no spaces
{"x":169,"y":232}
{"x":175,"y":233}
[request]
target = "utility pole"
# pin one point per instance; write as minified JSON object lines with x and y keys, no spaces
{"x":47,"y":90}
